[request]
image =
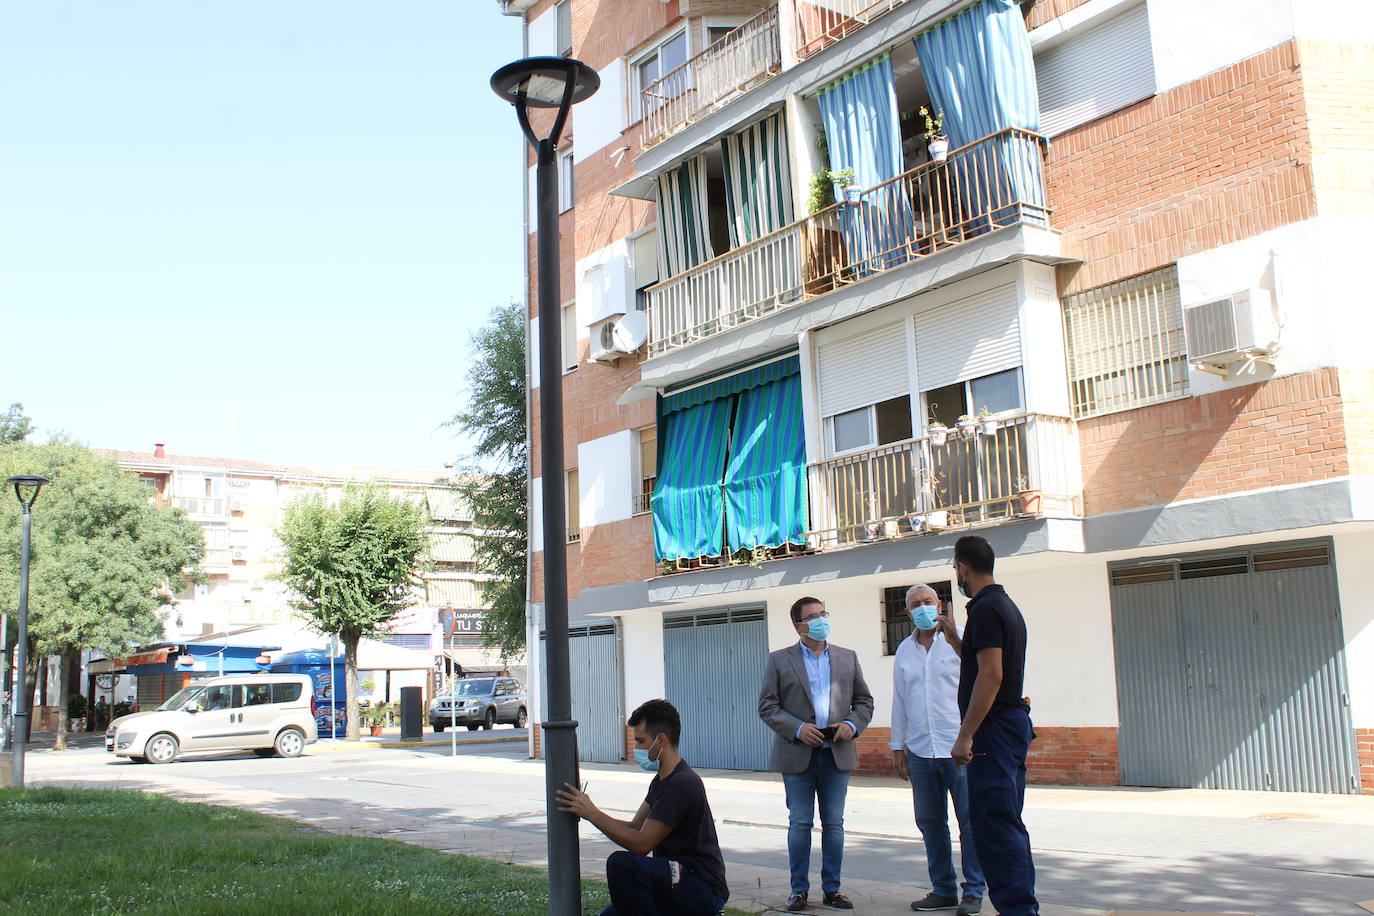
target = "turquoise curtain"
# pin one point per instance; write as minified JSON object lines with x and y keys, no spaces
{"x":683,"y":233}
{"x":765,"y":481}
{"x":687,"y":504}
{"x":979,"y":70}
{"x":758,"y":182}
{"x":859,"y":113}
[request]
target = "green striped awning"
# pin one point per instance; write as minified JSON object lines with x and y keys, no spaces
{"x":765,"y":481}
{"x":684,"y":397}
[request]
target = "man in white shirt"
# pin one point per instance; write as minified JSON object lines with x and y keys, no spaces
{"x":925,"y":724}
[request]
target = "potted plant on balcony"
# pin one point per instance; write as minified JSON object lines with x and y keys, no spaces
{"x":934,"y":519}
{"x":967,"y":426}
{"x":987,"y":426}
{"x":1029,"y":496}
{"x":938,"y":433}
{"x":936,"y":140}
{"x":374,"y":716}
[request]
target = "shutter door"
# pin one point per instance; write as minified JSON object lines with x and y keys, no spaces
{"x":148,"y":691}
{"x":594,"y":672}
{"x":968,"y":339}
{"x":646,"y":259}
{"x":1105,"y":68}
{"x":864,"y":369}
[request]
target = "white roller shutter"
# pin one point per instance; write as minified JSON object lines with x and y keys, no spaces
{"x":864,"y":369}
{"x":646,"y":259}
{"x":1091,"y":74}
{"x":970,"y":338}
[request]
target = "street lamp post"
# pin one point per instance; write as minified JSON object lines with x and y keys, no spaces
{"x":26,"y":487}
{"x":556,"y":83}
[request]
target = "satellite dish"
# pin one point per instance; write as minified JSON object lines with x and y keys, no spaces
{"x":629,"y":331}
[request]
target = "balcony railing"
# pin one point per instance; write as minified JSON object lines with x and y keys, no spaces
{"x":1026,"y":467}
{"x":993,"y":182}
{"x":821,"y":23}
{"x":201,"y":505}
{"x":733,"y":65}
{"x":215,"y":558}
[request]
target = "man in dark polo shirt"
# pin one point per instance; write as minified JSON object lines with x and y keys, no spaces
{"x":686,"y":874}
{"x":995,"y":733}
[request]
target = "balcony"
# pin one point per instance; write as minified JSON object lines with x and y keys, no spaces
{"x":1027,"y":467}
{"x":727,"y":68}
{"x":992,"y":183}
{"x":202,"y":505}
{"x":215,"y":558}
{"x":821,"y":23}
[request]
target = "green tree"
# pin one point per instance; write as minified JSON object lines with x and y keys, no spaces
{"x":14,"y":425}
{"x":105,"y":561}
{"x":496,"y":418}
{"x":352,"y":567}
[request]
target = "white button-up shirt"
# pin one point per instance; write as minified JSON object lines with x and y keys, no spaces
{"x":925,"y":697}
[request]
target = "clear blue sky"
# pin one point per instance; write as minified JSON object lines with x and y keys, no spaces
{"x":259,"y":228}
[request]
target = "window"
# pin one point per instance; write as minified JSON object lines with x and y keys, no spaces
{"x":257,"y":694}
{"x":1088,"y":75}
{"x":868,"y":427}
{"x":570,"y":352}
{"x":999,"y":393}
{"x":216,"y":698}
{"x":565,"y":180}
{"x":286,"y":693}
{"x":574,"y":509}
{"x":565,"y":41}
{"x":1125,"y":344}
{"x":645,"y":266}
{"x":648,"y":469}
{"x":658,"y":63}
{"x":897,"y":622}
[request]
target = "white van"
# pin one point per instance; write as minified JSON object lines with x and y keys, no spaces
{"x":269,"y":714}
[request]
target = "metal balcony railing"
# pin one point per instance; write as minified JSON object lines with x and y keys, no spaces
{"x":821,"y":23}
{"x":215,"y":558}
{"x":994,"y":182}
{"x":201,"y":505}
{"x":1028,"y":466}
{"x":727,"y":68}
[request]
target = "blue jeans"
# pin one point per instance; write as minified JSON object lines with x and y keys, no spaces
{"x":932,"y":780}
{"x":997,"y":795}
{"x":643,"y":886}
{"x":824,"y":781}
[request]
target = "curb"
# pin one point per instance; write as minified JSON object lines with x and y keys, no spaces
{"x":449,"y":744}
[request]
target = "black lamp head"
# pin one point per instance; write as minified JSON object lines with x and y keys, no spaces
{"x":27,"y":482}
{"x":541,"y":82}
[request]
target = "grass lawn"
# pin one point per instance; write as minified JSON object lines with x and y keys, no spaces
{"x":101,"y":851}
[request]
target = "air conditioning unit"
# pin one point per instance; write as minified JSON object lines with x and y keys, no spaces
{"x":1240,"y":328}
{"x":235,"y":505}
{"x":239,"y":554}
{"x":619,"y":336}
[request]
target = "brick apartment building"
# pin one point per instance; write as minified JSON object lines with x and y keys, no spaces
{"x":1133,"y":275}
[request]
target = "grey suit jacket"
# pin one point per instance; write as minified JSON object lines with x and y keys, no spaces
{"x":785,"y":705}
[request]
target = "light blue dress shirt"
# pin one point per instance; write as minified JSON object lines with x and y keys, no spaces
{"x":818,"y":674}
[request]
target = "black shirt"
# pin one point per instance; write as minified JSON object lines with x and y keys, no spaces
{"x":994,"y":622}
{"x":679,"y":800}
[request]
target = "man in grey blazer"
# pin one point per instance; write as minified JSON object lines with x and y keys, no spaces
{"x":816,"y":702}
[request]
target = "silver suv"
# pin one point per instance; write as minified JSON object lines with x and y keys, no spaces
{"x":479,"y":702}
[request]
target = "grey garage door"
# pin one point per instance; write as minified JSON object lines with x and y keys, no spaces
{"x":594,"y":662}
{"x":1231,"y":671}
{"x":713,"y":665}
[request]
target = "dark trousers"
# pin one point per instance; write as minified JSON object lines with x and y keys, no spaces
{"x":643,"y":886}
{"x":997,"y":794}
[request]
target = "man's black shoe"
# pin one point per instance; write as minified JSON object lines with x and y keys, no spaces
{"x":796,"y":903}
{"x":970,"y":905}
{"x":838,"y":901}
{"x":934,"y":901}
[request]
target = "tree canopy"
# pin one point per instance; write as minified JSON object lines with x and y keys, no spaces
{"x":496,"y":418}
{"x":14,"y":425}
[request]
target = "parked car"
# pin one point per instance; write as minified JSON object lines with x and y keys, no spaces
{"x":479,"y":702}
{"x":269,"y":714}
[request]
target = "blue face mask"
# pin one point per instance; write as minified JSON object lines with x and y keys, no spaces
{"x":818,"y":629}
{"x":642,"y":758}
{"x":923,"y":616}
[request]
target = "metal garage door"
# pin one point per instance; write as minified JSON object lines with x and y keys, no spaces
{"x":594,"y":663}
{"x":713,"y":665}
{"x":1231,"y":671}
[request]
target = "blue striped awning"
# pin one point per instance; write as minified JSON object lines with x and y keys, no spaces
{"x":673,"y":401}
{"x":765,"y":481}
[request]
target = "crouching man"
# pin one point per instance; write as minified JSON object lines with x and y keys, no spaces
{"x":685,"y":875}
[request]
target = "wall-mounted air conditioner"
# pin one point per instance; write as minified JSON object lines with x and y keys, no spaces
{"x":1239,"y":328}
{"x":239,"y":554}
{"x":619,"y":336}
{"x":235,"y":505}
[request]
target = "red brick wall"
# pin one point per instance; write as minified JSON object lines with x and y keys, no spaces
{"x":1217,"y":160}
{"x":1058,"y":756}
{"x":1286,"y":431}
{"x":1045,"y":10}
{"x":1364,"y":744}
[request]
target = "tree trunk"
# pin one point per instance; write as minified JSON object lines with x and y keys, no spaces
{"x":64,"y":690}
{"x":350,"y":642}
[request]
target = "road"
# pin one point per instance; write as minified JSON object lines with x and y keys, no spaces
{"x":1237,"y":852}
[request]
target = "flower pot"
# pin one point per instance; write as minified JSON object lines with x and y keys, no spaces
{"x":938,"y":435}
{"x":939,"y":149}
{"x":987,"y":426}
{"x":917,"y":522}
{"x":937,"y":520}
{"x":1030,"y":502}
{"x":967,"y":428}
{"x":874,"y":531}
{"x":376,"y":731}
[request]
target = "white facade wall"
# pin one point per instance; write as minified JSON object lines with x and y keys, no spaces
{"x":642,"y":638}
{"x":1355,"y":580}
{"x":599,"y":120}
{"x":605,"y":472}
